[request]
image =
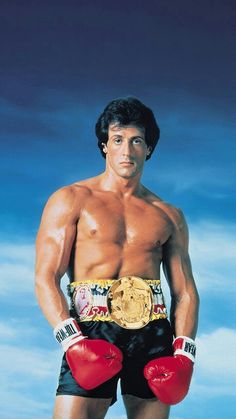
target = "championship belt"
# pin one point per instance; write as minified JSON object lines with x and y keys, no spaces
{"x":129,"y":302}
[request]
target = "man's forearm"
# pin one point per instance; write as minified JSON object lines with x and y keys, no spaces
{"x":52,"y":301}
{"x":184,"y":315}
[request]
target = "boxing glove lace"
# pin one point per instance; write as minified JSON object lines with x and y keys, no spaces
{"x":169,"y":377}
{"x":91,"y":361}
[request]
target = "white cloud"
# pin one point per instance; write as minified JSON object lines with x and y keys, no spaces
{"x":17,"y":269}
{"x":17,"y":278}
{"x":28,"y":379}
{"x":16,"y":405}
{"x":181,"y":178}
{"x":30,"y":362}
{"x":216,"y":353}
{"x":7,"y":331}
{"x":17,"y":252}
{"x":29,"y":372}
{"x":22,"y":330}
{"x":215,"y":370}
{"x":185,"y":178}
{"x":213,"y":250}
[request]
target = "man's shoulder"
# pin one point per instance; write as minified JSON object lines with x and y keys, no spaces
{"x":87,"y":185}
{"x":174,"y":213}
{"x":68,"y":195}
{"x":75,"y":190}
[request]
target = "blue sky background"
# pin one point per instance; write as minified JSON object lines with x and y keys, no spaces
{"x":61,"y":62}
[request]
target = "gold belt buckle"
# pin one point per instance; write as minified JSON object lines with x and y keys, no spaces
{"x":129,"y":302}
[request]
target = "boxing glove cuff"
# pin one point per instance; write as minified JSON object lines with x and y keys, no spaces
{"x":185,"y":346}
{"x":67,"y":333}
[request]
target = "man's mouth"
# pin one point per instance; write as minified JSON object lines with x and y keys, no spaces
{"x":126,"y":163}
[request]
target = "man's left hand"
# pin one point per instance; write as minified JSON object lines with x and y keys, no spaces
{"x":169,"y":377}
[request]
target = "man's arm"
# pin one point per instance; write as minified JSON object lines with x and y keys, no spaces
{"x":53,"y":247}
{"x":169,"y":377}
{"x":92,"y":361}
{"x":178,"y":272}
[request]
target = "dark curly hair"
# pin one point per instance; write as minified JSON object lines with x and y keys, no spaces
{"x":127,"y":111}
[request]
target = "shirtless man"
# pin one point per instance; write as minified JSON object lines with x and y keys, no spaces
{"x":108,"y":232}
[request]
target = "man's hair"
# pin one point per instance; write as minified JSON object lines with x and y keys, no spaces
{"x":127,"y":111}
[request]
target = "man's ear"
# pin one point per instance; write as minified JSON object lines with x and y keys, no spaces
{"x":149,"y":150}
{"x":104,"y":148}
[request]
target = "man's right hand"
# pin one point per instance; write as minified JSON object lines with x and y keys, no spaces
{"x":92,"y":361}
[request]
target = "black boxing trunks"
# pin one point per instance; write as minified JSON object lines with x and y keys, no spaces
{"x":138,"y":345}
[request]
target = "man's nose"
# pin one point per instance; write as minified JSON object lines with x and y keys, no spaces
{"x":127,"y":148}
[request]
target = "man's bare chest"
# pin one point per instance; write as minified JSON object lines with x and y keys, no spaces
{"x":130,"y":223}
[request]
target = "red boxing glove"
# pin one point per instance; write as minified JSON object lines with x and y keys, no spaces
{"x":92,"y":361}
{"x":169,"y":377}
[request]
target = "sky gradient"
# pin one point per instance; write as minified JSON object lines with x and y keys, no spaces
{"x":61,"y":62}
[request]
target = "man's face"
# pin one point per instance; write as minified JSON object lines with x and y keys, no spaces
{"x":126,"y":150}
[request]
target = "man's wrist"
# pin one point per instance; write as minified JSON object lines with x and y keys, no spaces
{"x":185,"y":346}
{"x":67,"y":333}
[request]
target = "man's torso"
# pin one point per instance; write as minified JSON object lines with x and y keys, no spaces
{"x":118,"y":236}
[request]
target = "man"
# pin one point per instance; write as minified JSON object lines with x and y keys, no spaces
{"x":111,"y":235}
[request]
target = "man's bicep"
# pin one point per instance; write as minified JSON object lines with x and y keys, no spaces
{"x":176,"y":261}
{"x":53,"y":250}
{"x":55,"y":237}
{"x":178,"y":271}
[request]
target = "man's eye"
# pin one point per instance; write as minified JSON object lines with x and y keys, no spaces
{"x":117,"y":141}
{"x":137,"y":141}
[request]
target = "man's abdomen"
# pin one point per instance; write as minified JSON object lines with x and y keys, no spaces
{"x":110,"y":260}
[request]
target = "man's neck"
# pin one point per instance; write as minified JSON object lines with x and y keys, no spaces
{"x":122,"y":186}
